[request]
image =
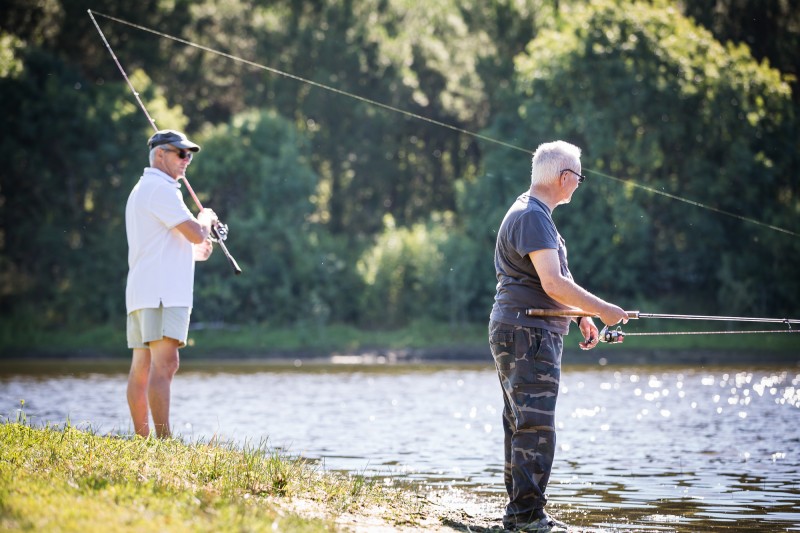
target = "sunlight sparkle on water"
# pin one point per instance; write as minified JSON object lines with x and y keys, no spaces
{"x":583,"y":412}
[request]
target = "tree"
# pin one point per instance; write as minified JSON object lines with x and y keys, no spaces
{"x":770,"y":29}
{"x":620,"y":81}
{"x":255,"y":173}
{"x":70,"y":161}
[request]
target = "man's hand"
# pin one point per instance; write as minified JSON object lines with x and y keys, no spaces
{"x":198,"y":230}
{"x":207,"y":217}
{"x":203,"y":250}
{"x":613,"y":315}
{"x":590,"y":334}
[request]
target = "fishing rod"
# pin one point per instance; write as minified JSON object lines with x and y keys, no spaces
{"x":617,"y":335}
{"x":219,"y":231}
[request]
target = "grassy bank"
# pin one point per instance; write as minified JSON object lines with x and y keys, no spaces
{"x":70,"y":480}
{"x":422,"y":338}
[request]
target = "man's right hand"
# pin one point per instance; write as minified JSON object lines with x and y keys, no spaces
{"x":207,"y":217}
{"x":196,"y":230}
{"x":613,"y":315}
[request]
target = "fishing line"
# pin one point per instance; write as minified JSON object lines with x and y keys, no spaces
{"x":425,"y":119}
{"x":695,"y":203}
{"x":616,"y":335}
{"x":312,"y":82}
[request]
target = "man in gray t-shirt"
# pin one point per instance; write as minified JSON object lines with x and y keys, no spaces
{"x":532,"y":272}
{"x":527,"y":227}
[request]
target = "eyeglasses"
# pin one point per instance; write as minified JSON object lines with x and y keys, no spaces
{"x":183,"y":154}
{"x":581,"y":177}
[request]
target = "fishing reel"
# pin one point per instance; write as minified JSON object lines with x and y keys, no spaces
{"x":612,"y":335}
{"x":219,"y":232}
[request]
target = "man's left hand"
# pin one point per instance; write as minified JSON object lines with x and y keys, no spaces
{"x":590,"y":334}
{"x":203,"y":250}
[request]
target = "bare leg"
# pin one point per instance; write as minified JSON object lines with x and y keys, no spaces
{"x":137,"y":391}
{"x":163,"y":365}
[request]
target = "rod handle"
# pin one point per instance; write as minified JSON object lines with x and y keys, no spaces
{"x":236,"y":269}
{"x":572,"y":313}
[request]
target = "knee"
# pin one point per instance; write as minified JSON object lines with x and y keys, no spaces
{"x":169,"y":368}
{"x":165,"y":367}
{"x":165,"y":358}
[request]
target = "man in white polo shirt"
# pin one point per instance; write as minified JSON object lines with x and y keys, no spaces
{"x":164,"y":241}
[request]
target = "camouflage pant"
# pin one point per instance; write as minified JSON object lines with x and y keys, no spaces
{"x":528,"y":362}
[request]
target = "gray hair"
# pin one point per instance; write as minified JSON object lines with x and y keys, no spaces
{"x":153,"y":154}
{"x":162,"y":147}
{"x":550,"y":159}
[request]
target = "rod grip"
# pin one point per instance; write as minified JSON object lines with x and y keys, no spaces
{"x":558,"y":312}
{"x":236,"y":269}
{"x":572,"y":313}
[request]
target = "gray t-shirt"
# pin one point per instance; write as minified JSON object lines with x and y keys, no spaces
{"x":527,"y":227}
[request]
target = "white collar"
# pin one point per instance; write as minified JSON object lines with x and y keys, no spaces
{"x":152,"y":172}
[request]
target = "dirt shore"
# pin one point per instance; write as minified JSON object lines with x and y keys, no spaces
{"x":445,"y":511}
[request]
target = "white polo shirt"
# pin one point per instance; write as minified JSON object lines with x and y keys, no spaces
{"x":160,"y":258}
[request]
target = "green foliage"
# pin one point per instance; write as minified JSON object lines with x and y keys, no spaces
{"x":652,"y":98}
{"x":69,"y":162}
{"x":771,"y":30}
{"x":429,"y":271}
{"x":401,"y":273}
{"x":370,"y":161}
{"x":10,"y":63}
{"x":257,"y":174}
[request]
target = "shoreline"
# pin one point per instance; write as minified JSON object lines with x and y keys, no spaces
{"x":463,"y":356}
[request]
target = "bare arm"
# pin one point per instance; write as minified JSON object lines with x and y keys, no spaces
{"x":197,"y":230}
{"x":567,"y":292}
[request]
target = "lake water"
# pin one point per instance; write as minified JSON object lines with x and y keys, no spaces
{"x":639,"y":448}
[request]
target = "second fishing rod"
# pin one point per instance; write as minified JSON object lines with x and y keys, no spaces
{"x":219,"y":231}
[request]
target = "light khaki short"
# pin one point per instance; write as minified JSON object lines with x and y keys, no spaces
{"x":148,"y":325}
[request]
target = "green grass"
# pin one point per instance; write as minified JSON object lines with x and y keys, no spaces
{"x":240,"y":340}
{"x":63,"y":479}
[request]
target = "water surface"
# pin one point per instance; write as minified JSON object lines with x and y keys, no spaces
{"x":639,"y":448}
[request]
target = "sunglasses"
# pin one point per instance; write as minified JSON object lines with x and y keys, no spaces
{"x":581,"y":177}
{"x":183,"y":154}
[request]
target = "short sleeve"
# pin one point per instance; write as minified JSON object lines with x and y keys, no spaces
{"x":534,"y":231}
{"x":168,"y":207}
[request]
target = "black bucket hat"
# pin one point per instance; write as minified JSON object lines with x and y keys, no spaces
{"x":173,"y":137}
